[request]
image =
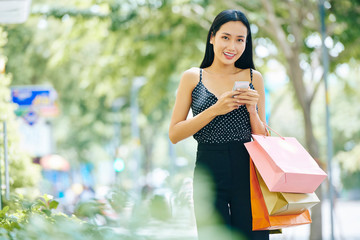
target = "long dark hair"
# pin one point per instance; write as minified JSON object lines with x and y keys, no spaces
{"x":246,"y":59}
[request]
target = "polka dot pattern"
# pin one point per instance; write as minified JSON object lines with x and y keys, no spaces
{"x":233,"y":126}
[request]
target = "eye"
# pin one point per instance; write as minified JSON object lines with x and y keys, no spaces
{"x":240,"y":40}
{"x":225,"y":37}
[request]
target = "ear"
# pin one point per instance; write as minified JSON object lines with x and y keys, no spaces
{"x":212,"y":38}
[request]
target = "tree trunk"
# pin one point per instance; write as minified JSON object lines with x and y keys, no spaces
{"x":296,"y":75}
{"x":316,"y":226}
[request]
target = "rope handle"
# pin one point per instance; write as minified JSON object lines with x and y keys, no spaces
{"x":273,"y":131}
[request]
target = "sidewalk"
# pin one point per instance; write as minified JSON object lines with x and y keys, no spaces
{"x":346,"y":222}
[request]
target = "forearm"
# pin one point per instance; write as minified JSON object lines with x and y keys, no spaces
{"x":189,"y":127}
{"x":257,"y":126}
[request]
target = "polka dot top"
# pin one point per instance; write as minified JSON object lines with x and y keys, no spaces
{"x":233,"y":126}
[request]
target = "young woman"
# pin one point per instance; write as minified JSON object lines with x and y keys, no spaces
{"x":223,"y":121}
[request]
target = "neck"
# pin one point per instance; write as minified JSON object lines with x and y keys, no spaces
{"x":223,"y":68}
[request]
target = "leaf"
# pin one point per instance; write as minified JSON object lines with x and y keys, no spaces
{"x":53,"y":204}
{"x":4,"y":211}
{"x":40,"y":203}
{"x":47,"y":212}
{"x":47,"y":197}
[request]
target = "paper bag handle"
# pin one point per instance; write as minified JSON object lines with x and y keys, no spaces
{"x":273,"y":131}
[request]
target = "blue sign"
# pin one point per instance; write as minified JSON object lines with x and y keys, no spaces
{"x":33,"y":96}
{"x":34,"y":101}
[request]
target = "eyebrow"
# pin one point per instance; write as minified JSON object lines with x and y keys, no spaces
{"x":228,"y":34}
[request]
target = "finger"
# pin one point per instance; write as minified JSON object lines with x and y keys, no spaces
{"x":236,"y":92}
{"x":248,"y":93}
{"x":249,"y":103}
{"x":249,"y":90}
{"x":252,"y":97}
{"x":237,"y":103}
{"x":252,"y":93}
{"x":232,"y":100}
{"x":246,"y":98}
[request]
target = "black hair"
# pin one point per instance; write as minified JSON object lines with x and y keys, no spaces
{"x":246,"y":59}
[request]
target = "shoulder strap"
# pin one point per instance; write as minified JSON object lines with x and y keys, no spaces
{"x":251,"y":74}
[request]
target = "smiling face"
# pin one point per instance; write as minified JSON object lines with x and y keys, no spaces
{"x":229,"y":42}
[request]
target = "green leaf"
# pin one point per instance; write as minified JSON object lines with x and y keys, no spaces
{"x":53,"y":204}
{"x":4,"y":211}
{"x":40,"y":203}
{"x":47,"y":197}
{"x":47,"y":212}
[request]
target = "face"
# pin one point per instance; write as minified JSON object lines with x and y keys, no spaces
{"x":229,"y":42}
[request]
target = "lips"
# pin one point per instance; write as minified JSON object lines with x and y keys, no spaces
{"x":229,"y":55}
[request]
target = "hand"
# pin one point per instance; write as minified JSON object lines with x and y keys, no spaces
{"x":249,"y":97}
{"x":227,"y":102}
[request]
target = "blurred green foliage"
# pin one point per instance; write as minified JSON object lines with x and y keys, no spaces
{"x":119,"y":216}
{"x":38,"y":219}
{"x":24,"y":175}
{"x":346,"y":13}
{"x":346,"y":126}
{"x":92,"y":62}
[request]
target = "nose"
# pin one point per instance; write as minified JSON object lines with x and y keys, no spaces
{"x":231,"y":45}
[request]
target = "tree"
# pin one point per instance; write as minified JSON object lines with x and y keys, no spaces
{"x":91,"y":60}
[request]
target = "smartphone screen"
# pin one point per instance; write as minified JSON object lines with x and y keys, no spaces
{"x":240,"y":84}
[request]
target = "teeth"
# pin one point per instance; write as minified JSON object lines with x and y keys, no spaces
{"x":230,"y":55}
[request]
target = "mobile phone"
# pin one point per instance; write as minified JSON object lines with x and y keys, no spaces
{"x":240,"y":84}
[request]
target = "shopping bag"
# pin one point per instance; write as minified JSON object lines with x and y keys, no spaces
{"x":284,"y":164}
{"x":261,"y":220}
{"x":280,"y":203}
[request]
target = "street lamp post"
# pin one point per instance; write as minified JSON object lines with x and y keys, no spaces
{"x":172,"y":156}
{"x":117,"y":140}
{"x":7,"y":184}
{"x":116,"y":106}
{"x":325,"y":59}
{"x":135,"y":132}
{"x":0,"y":167}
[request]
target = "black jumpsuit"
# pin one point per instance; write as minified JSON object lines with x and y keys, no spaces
{"x":221,"y":176}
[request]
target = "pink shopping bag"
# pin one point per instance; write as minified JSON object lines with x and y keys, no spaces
{"x":284,"y":164}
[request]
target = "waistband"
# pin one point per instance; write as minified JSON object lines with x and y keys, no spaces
{"x":221,"y":146}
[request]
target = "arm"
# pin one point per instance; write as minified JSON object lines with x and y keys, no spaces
{"x":253,"y":98}
{"x":258,"y":117}
{"x":180,"y":127}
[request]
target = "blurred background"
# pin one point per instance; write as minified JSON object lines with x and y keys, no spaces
{"x":86,"y":95}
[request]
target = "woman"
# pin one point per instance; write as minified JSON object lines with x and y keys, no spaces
{"x":223,"y":121}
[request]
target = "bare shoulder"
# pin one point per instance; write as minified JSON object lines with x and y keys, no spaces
{"x":258,"y":80}
{"x":191,"y":77}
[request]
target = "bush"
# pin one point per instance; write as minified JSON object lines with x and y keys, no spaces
{"x":24,"y":219}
